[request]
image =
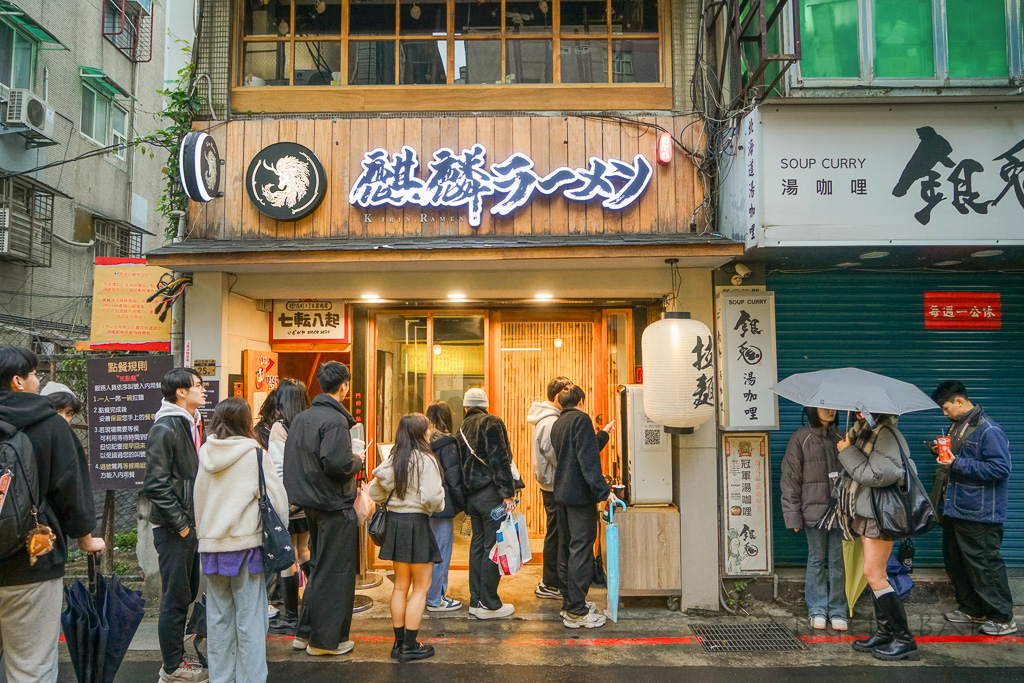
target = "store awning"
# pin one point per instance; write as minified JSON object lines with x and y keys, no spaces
{"x":22,"y":20}
{"x":128,"y":225}
{"x":104,"y":83}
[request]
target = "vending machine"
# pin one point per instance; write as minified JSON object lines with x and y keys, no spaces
{"x":646,"y":451}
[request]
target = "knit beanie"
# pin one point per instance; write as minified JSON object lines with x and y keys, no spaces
{"x":475,"y":398}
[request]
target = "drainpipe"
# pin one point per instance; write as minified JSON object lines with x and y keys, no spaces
{"x":178,"y":308}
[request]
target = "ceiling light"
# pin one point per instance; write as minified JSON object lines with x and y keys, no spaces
{"x":848,"y":264}
{"x":457,"y":297}
{"x":986,"y":253}
{"x":437,"y":349}
{"x":558,"y":342}
{"x":948,"y":263}
{"x":875,"y":254}
{"x":371,"y":298}
{"x":543,"y":296}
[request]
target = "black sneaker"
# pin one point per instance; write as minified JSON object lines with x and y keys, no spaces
{"x":548,"y":592}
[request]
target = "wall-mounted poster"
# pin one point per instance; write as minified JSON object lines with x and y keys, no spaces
{"x":122,"y":318}
{"x":746,"y":514}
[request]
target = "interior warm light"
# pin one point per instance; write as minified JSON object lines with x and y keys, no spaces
{"x":437,"y":349}
{"x":457,"y":297}
{"x":543,"y":296}
{"x":371,"y":297}
{"x":558,"y":342}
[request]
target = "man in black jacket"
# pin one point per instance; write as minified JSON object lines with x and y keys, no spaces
{"x":319,"y":475}
{"x":579,"y":486}
{"x":487,"y":480}
{"x":172,"y":461}
{"x":31,"y":594}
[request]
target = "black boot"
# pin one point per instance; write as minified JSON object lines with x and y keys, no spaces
{"x":882,"y":634}
{"x":413,"y":649}
{"x":902,"y":645}
{"x":286,"y":622}
{"x":399,"y":639}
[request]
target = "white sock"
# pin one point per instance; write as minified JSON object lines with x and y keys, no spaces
{"x":887,"y":589}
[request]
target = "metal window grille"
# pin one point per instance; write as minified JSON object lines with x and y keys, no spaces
{"x":26,"y":223}
{"x":129,"y":28}
{"x":212,"y":55}
{"x":116,"y":241}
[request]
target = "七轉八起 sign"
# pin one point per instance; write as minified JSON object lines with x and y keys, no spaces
{"x":124,"y":396}
{"x":962,"y":311}
{"x":746,"y":519}
{"x":310,"y":320}
{"x":463,"y":180}
{"x":122,"y":318}
{"x":746,"y":333}
{"x":286,"y":181}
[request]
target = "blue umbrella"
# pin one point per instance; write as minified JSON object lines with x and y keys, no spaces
{"x":611,"y":549}
{"x":852,"y":389}
{"x":99,"y":623}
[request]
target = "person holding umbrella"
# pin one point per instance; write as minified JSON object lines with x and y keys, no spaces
{"x":810,"y":468}
{"x":871,"y":453}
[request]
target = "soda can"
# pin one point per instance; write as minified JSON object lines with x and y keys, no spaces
{"x":945,"y":453}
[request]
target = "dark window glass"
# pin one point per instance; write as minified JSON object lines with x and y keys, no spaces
{"x":634,"y":16}
{"x":472,"y":17}
{"x":477,"y":62}
{"x":317,"y":63}
{"x":634,"y":61}
{"x":584,"y":61}
{"x":371,"y":62}
{"x":422,"y":62}
{"x":371,"y":19}
{"x":528,"y":61}
{"x":423,"y":18}
{"x":584,"y":16}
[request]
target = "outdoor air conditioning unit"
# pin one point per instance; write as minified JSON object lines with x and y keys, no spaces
{"x":26,"y":109}
{"x":5,"y":232}
{"x":5,"y":93}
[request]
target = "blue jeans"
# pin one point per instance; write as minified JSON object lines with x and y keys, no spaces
{"x":825,"y":586}
{"x":443,"y":534}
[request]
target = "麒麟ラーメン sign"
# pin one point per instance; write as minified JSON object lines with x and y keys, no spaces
{"x":124,"y":396}
{"x":864,"y":174}
{"x":464,"y":180}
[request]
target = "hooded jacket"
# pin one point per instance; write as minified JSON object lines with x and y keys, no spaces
{"x":64,"y":495}
{"x":542,"y":415}
{"x":172,"y":462}
{"x":811,"y":456}
{"x":319,"y":467}
{"x":491,"y":465}
{"x":447,"y":451}
{"x":424,"y":493}
{"x":227,"y":494}
{"x":578,"y":476}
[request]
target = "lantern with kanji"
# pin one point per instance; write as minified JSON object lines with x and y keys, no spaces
{"x":679,"y":373}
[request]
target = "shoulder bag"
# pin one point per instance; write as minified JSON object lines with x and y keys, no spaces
{"x":517,"y":480}
{"x":903,"y":509}
{"x":378,"y":526}
{"x":278,"y":553}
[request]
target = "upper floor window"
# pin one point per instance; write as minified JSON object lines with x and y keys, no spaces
{"x":114,"y":240}
{"x":912,"y":42}
{"x":103,"y":121}
{"x":17,"y":56}
{"x":450,"y":42}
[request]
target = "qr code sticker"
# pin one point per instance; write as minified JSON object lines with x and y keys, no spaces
{"x":652,"y":437}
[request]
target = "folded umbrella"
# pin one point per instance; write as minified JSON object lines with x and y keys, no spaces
{"x":855,"y":390}
{"x":611,"y":550}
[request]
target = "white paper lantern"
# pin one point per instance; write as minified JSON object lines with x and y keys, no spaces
{"x":679,"y":373}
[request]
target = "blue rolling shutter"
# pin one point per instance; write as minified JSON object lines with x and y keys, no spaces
{"x":875,"y":321}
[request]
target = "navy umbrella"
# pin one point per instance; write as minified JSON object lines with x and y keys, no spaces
{"x":99,"y":623}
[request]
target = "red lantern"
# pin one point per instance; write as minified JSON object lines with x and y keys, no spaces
{"x":665,"y":148}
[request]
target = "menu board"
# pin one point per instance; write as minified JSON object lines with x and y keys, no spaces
{"x":124,"y":396}
{"x":212,"y":389}
{"x":746,"y":519}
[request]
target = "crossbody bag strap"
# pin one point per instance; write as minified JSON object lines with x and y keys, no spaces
{"x":903,"y":455}
{"x":259,"y":464}
{"x":387,"y":500}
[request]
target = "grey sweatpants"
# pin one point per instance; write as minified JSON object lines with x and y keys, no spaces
{"x":29,"y":629}
{"x":236,"y":624}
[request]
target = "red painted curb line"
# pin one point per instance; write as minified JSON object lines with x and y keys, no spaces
{"x":994,"y":640}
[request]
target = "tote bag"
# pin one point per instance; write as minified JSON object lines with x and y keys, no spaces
{"x":278,"y":553}
{"x":903,"y":509}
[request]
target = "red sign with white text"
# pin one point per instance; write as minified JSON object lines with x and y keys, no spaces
{"x":962,"y":311}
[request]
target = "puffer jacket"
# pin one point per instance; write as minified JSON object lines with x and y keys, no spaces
{"x":979,"y":476}
{"x":447,"y":451}
{"x":883,"y":467}
{"x":492,"y":464}
{"x":811,"y":456}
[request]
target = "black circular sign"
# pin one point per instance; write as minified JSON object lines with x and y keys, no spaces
{"x":286,"y":181}
{"x":199,"y":166}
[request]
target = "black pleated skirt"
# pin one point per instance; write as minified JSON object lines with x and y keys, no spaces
{"x":408,"y":539}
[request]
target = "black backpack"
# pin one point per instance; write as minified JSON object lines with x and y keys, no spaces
{"x":19,"y":481}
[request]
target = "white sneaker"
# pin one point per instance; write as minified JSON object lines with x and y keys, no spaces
{"x":588,"y":620}
{"x":591,"y":607}
{"x":839,"y":623}
{"x":818,"y":623}
{"x":185,"y":674}
{"x":300,"y":643}
{"x":343,"y":649}
{"x":272,"y":611}
{"x":446,"y":605}
{"x":506,"y":610}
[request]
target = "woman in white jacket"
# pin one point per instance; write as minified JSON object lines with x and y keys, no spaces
{"x":231,"y":543}
{"x":410,"y":483}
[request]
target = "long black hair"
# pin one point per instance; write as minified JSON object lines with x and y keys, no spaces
{"x":232,"y":417}
{"x":440,"y":416}
{"x":410,"y":436}
{"x":292,"y":399}
{"x":811,"y":417}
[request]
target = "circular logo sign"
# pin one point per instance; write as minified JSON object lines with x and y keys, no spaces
{"x":286,"y":181}
{"x":199,"y":167}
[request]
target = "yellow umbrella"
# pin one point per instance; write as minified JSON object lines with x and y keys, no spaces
{"x":853,"y":562}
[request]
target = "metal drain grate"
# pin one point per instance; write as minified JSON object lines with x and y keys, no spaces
{"x":757,"y":637}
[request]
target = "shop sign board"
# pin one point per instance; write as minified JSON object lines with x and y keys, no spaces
{"x":311,"y":320}
{"x":123,"y":398}
{"x":449,"y":359}
{"x":206,"y":367}
{"x":122,"y":318}
{"x":212,"y":391}
{"x":746,"y":341}
{"x":746,"y":498}
{"x":199,"y":165}
{"x":962,"y":311}
{"x":464,"y":180}
{"x":865,"y":174}
{"x":286,"y":181}
{"x":259,"y":377}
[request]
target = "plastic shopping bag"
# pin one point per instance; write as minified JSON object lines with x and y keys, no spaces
{"x":524,"y":537}
{"x":364,"y":505}
{"x":506,"y":552}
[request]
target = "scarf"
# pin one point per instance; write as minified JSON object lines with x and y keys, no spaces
{"x":863,"y":437}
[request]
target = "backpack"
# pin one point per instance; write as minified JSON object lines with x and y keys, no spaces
{"x":19,"y":482}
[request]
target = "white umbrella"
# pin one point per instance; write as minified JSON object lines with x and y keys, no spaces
{"x":855,"y":390}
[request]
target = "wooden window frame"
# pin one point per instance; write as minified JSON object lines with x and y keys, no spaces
{"x":554,"y":96}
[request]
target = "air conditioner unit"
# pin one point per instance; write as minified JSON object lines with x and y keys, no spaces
{"x":26,"y":109}
{"x":5,"y":93}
